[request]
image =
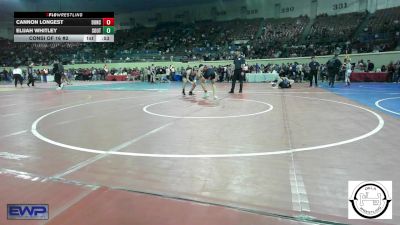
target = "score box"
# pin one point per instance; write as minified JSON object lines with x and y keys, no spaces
{"x":108,"y":30}
{"x":64,"y":26}
{"x":108,"y":21}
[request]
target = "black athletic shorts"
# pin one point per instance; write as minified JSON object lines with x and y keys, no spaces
{"x":209,"y":76}
{"x":190,"y":78}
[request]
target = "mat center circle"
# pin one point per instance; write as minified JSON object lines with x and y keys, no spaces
{"x":206,"y":109}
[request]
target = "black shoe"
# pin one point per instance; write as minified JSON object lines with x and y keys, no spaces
{"x":231,"y":92}
{"x":240,"y":91}
{"x":190,"y":93}
{"x":183,"y":92}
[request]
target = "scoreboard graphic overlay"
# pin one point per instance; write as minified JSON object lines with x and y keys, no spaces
{"x":63,"y":26}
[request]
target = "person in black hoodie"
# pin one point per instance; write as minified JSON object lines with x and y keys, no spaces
{"x":31,"y":80}
{"x":58,"y":70}
{"x":370,"y":66}
{"x":398,"y":73}
{"x":333,"y":65}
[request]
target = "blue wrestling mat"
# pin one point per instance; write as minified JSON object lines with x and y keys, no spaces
{"x":380,"y":96}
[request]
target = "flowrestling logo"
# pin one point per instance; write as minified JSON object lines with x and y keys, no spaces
{"x":370,"y":200}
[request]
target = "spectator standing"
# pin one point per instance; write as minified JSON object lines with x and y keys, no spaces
{"x":105,"y":68}
{"x":307,"y":70}
{"x":362,"y":66}
{"x":17,"y":74}
{"x":391,"y":72}
{"x":347,"y":72}
{"x":333,"y":65}
{"x":229,"y":72}
{"x":245,"y":70}
{"x":168,"y":73}
{"x":172,"y":69}
{"x":4,"y":72}
{"x":58,"y":70}
{"x":94,"y":73}
{"x":31,"y":79}
{"x":44,"y":75}
{"x":398,"y":72}
{"x":370,"y":66}
{"x":152,"y":71}
{"x":299,"y":71}
{"x":10,"y":75}
{"x":153,"y":74}
{"x":257,"y":68}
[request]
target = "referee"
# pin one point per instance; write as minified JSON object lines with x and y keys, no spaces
{"x":239,"y":63}
{"x":314,"y":68}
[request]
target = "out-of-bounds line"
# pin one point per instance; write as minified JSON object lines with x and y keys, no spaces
{"x":377,"y":104}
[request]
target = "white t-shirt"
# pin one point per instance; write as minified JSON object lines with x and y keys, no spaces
{"x":17,"y":71}
{"x":348,"y":67}
{"x":299,"y":68}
